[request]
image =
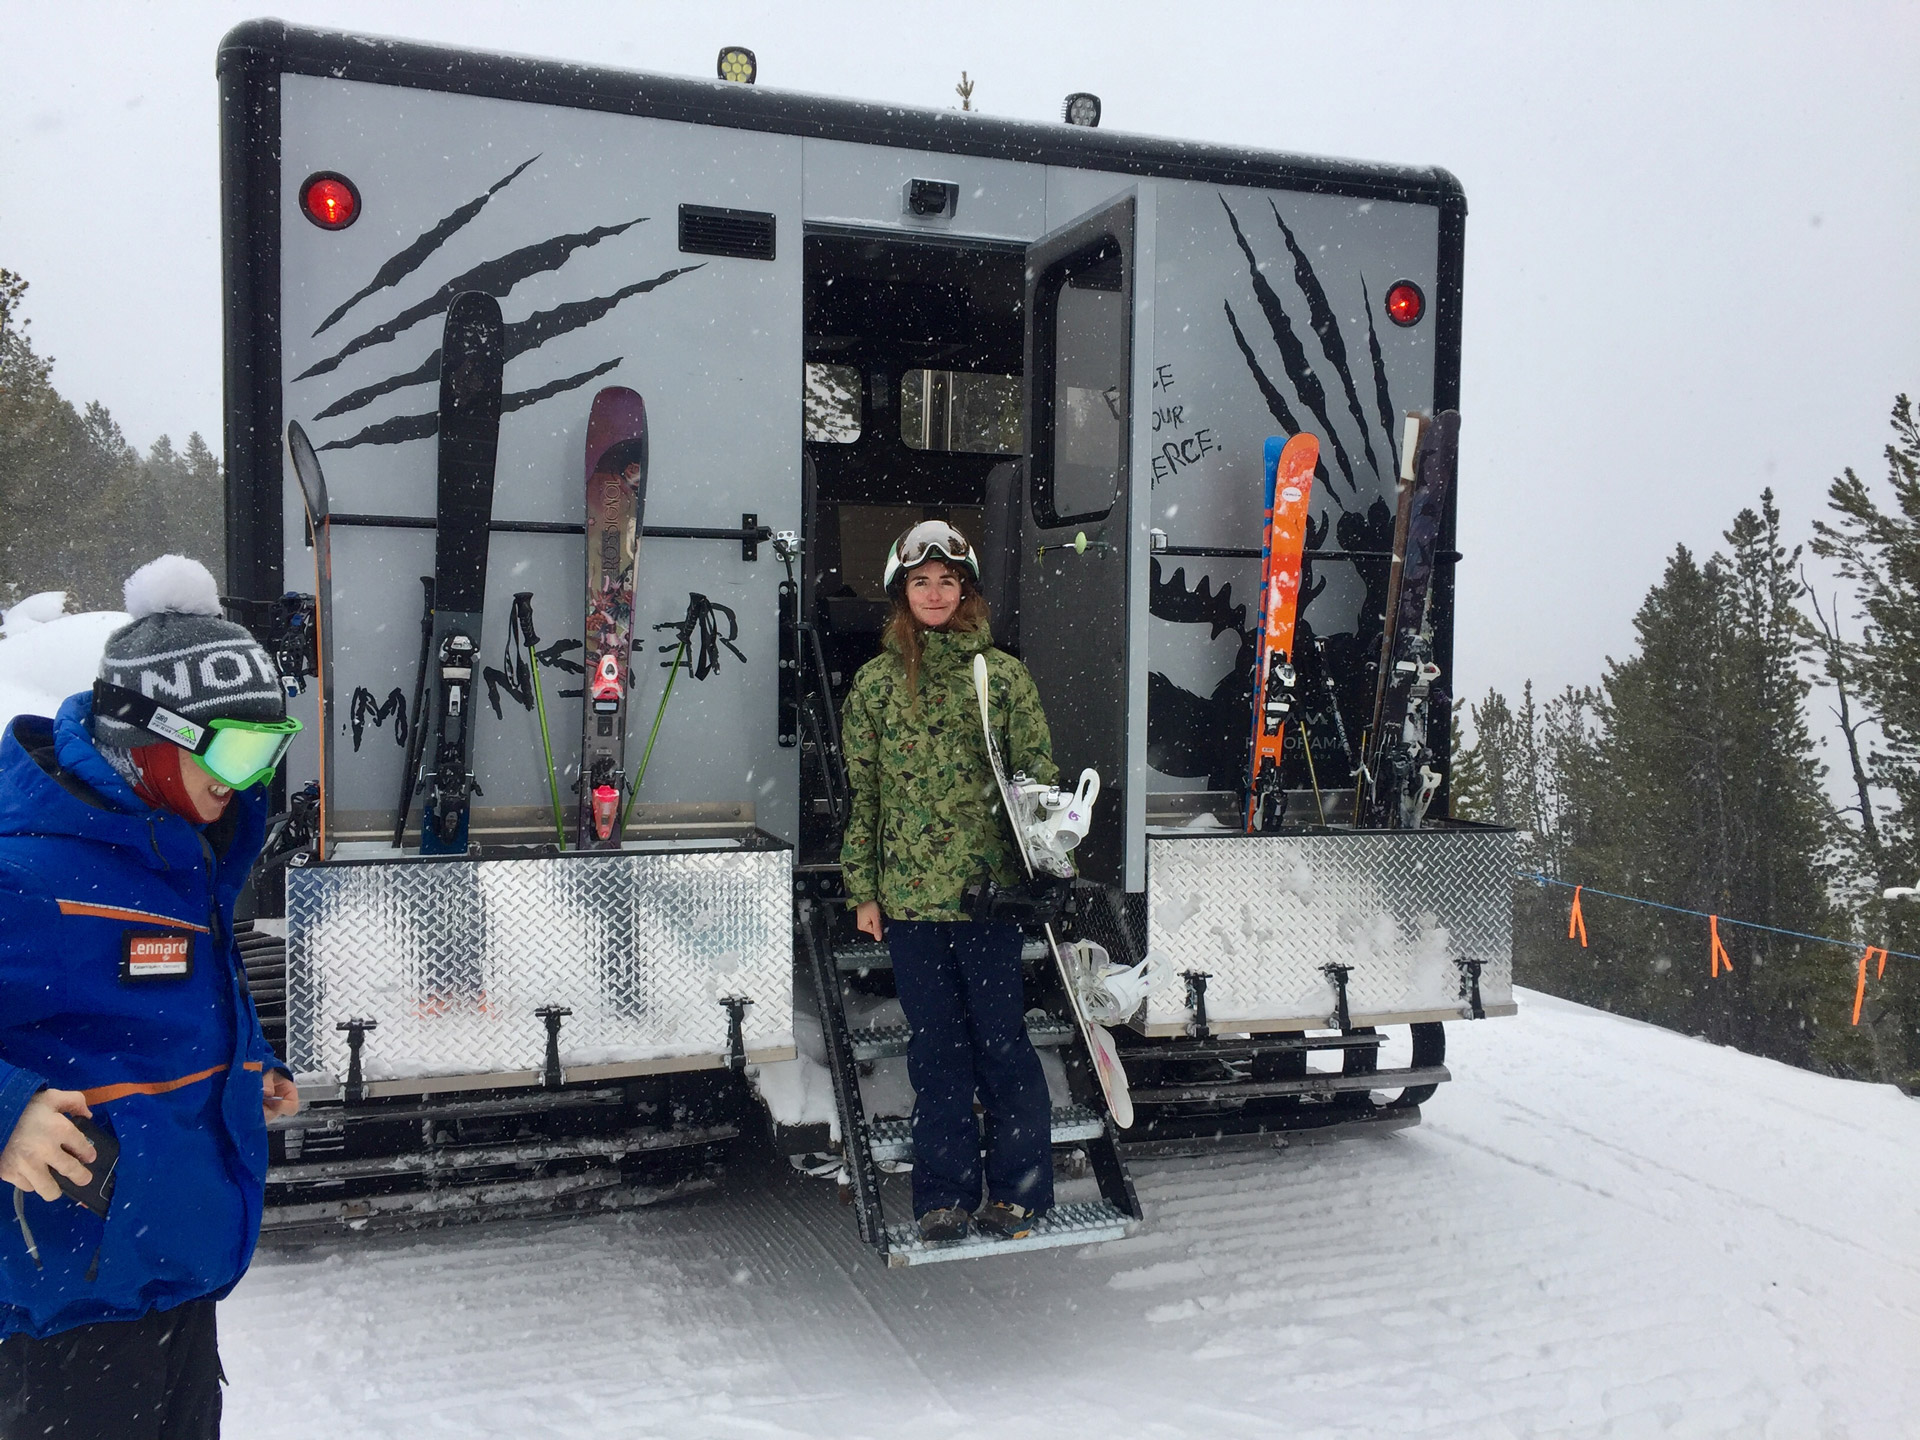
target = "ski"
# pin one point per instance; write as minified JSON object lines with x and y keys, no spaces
{"x":616,"y":464}
{"x":417,"y":731}
{"x":1288,"y":475}
{"x":1074,"y":811}
{"x":313,"y":495}
{"x":472,"y":355}
{"x":1397,"y":781}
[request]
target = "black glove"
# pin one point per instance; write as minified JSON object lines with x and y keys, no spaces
{"x":1037,"y":902}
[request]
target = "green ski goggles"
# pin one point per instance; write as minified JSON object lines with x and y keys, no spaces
{"x":240,"y":753}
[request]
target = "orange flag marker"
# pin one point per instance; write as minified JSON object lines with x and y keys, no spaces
{"x":1719,"y":955}
{"x":1575,"y":920}
{"x":1860,"y":988}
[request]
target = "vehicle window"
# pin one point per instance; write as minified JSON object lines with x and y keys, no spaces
{"x":830,"y":404}
{"x":960,"y":410}
{"x":1089,"y":359}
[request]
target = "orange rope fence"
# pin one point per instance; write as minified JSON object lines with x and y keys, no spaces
{"x":1717,"y":956}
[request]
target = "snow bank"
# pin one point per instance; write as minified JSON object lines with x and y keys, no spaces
{"x":45,"y":656}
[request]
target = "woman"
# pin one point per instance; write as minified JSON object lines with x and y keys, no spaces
{"x":926,"y":821}
{"x":127,"y":827}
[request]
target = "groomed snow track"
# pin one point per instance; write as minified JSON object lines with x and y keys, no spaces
{"x":1602,"y":1229}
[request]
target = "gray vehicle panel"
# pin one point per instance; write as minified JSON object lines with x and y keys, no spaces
{"x":724,"y":417}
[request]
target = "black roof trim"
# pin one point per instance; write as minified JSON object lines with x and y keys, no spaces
{"x":748,"y":107}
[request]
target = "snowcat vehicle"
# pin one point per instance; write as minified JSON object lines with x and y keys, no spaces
{"x":841,"y":317}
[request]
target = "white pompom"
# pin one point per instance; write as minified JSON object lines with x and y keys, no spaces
{"x":173,"y":584}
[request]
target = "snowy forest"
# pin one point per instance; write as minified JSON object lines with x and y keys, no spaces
{"x":81,"y":505}
{"x":1688,"y":776}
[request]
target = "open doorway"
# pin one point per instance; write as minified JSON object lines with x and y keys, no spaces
{"x":913,"y":353}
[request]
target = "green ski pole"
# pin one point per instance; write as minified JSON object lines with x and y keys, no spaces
{"x":523,"y":619}
{"x":659,"y":714}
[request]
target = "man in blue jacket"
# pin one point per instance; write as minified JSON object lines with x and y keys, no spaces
{"x":128,"y":825}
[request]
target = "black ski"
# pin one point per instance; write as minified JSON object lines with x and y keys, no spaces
{"x":313,"y":495}
{"x":417,"y":732}
{"x":472,"y":355}
{"x":1397,"y":780}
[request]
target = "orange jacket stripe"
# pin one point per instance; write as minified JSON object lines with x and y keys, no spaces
{"x":120,"y":912}
{"x":100,"y":1095}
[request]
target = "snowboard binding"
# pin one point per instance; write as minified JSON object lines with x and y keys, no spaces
{"x":1053,"y":820}
{"x":1111,"y":993}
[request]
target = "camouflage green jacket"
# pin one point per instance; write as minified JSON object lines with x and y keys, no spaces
{"x":926,"y":815}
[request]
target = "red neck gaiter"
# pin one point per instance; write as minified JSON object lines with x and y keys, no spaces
{"x":161,"y":784}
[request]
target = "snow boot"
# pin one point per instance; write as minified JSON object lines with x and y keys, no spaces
{"x":1005,"y":1222}
{"x":940,"y":1226}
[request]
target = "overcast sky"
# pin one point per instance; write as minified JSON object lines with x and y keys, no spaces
{"x":1690,"y":250}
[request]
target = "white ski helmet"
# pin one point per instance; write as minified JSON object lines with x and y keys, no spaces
{"x":929,"y":540}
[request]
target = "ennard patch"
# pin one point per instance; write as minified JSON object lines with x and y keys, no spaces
{"x":167,"y":956}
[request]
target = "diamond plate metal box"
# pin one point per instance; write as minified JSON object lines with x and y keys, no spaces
{"x":453,"y":957}
{"x":1261,"y":914}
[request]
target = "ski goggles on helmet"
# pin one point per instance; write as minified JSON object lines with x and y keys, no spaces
{"x":240,"y":753}
{"x":929,"y":540}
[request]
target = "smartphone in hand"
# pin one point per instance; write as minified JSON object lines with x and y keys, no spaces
{"x":96,"y":1194}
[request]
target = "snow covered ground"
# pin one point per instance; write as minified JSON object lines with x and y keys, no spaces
{"x":1603,"y":1229}
{"x":46,"y":655}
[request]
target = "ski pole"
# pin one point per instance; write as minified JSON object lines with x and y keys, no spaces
{"x":416,"y":737}
{"x":523,"y":618}
{"x":1363,"y":777}
{"x":659,"y":714}
{"x":1313,"y":775}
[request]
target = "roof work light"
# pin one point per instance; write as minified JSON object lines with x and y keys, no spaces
{"x":1082,"y":109}
{"x":738,"y":65}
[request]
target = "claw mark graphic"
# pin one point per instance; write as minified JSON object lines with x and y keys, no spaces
{"x":496,"y":277}
{"x":521,"y":336}
{"x":1381,"y":395}
{"x":1277,"y":403}
{"x":1293,"y":354}
{"x":1320,"y":316}
{"x":417,"y":427}
{"x":410,"y":259}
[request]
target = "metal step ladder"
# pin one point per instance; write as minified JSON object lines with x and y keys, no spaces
{"x":865,"y":1142}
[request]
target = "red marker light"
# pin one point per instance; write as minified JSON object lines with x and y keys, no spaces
{"x":331,"y":201}
{"x":1405,"y":303}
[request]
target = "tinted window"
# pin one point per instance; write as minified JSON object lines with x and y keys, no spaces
{"x":960,"y":410}
{"x":1089,"y":408}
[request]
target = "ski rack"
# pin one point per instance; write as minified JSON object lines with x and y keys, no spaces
{"x":749,"y":535}
{"x":806,"y":692}
{"x":1085,"y":1123}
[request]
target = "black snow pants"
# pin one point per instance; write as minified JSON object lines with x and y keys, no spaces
{"x":155,"y":1378}
{"x":961,"y":987}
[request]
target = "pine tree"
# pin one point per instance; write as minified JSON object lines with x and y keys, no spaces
{"x":1700,"y":790}
{"x":82,"y":507}
{"x":1875,"y":544}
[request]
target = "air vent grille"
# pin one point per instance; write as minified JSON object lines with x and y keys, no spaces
{"x":741,"y":234}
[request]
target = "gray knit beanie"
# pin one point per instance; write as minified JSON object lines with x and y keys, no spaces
{"x":180,"y":651}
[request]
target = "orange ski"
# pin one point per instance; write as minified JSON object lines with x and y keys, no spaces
{"x":1289,"y":487}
